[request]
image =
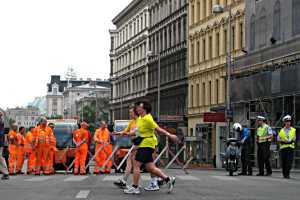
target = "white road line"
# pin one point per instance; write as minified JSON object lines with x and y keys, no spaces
{"x":82,"y":194}
{"x":187,"y":178}
{"x":146,"y":178}
{"x":111,"y":178}
{"x":38,"y":179}
{"x":225,"y":178}
{"x":75,"y":178}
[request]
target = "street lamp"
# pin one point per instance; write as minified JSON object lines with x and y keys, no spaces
{"x":149,"y":54}
{"x":217,"y":9}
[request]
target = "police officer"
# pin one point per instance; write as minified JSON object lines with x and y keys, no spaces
{"x":246,"y":141}
{"x":3,"y":166}
{"x":263,"y":134}
{"x":287,"y":140}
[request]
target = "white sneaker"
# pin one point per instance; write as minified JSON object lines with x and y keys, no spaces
{"x":152,"y":187}
{"x":171,"y":184}
{"x":132,"y":190}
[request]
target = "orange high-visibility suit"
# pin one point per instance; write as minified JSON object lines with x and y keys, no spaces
{"x":81,"y":137}
{"x":12,"y":148}
{"x":30,"y":151}
{"x":102,"y":137}
{"x":20,"y":151}
{"x":42,"y":146}
{"x":50,"y":161}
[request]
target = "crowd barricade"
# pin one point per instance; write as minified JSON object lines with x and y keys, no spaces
{"x":94,"y":156}
{"x":174,"y":157}
{"x":110,"y":157}
{"x":125,"y":158}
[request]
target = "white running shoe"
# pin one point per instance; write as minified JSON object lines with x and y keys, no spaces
{"x":152,"y":187}
{"x":132,"y":190}
{"x":171,"y":184}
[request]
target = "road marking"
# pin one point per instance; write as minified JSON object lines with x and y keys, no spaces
{"x":111,"y":178}
{"x":188,"y":178}
{"x":82,"y":194}
{"x":38,"y":179}
{"x":225,"y":178}
{"x":75,"y":178}
{"x":146,"y":178}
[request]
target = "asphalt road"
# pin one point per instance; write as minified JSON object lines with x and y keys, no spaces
{"x":197,"y":185}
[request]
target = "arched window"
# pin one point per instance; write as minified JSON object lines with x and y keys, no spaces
{"x":276,"y":21}
{"x":296,"y":17}
{"x":252,"y":32}
{"x":262,"y":28}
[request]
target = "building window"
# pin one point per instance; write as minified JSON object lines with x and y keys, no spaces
{"x":192,"y":96}
{"x":170,"y":6}
{"x":197,"y":95}
{"x":174,"y":34}
{"x":276,"y":21}
{"x":203,"y":94}
{"x":209,"y":93}
{"x":252,"y":32}
{"x":204,"y":8}
{"x":241,"y":41}
{"x":217,"y":91}
{"x":210,"y":47}
{"x":193,"y":14}
{"x":192,"y":54}
{"x":165,"y":38}
{"x":296,"y":17}
{"x":225,"y":41}
{"x":263,"y":28}
{"x":217,"y":44}
{"x":184,"y":28}
{"x":179,"y":31}
{"x":198,"y":52}
{"x":233,"y":38}
{"x":198,"y":10}
{"x":203,"y":50}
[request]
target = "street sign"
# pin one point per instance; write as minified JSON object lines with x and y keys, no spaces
{"x":214,"y":117}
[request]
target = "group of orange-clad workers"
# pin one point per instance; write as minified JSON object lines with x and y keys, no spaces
{"x":39,"y":147}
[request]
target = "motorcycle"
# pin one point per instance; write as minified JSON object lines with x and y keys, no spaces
{"x":232,"y":155}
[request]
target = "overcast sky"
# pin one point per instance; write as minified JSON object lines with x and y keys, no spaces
{"x":40,"y":38}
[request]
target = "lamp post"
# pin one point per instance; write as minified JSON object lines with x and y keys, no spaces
{"x":220,"y":9}
{"x":150,"y":53}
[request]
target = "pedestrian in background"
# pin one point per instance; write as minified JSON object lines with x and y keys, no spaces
{"x":20,"y":149}
{"x":287,"y":141}
{"x":3,"y":166}
{"x":263,"y":135}
{"x":246,"y":142}
{"x":80,"y":138}
{"x":12,"y":149}
{"x":102,"y":140}
{"x":52,"y":139}
{"x":30,"y":151}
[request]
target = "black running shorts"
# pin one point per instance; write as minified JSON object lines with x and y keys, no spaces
{"x":144,"y":155}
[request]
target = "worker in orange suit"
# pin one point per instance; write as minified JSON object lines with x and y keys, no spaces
{"x":29,"y":150}
{"x":12,"y":148}
{"x":81,"y":138}
{"x":20,"y":149}
{"x":102,"y":139}
{"x":50,"y":162}
{"x":42,"y":146}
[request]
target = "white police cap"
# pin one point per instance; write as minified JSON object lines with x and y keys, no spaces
{"x":261,"y":118}
{"x":287,"y":118}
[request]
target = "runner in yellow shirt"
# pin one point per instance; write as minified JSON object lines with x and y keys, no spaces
{"x":146,"y":143}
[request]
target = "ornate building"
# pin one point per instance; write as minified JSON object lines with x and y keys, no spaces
{"x":207,"y":58}
{"x":168,"y":45}
{"x":128,"y":55}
